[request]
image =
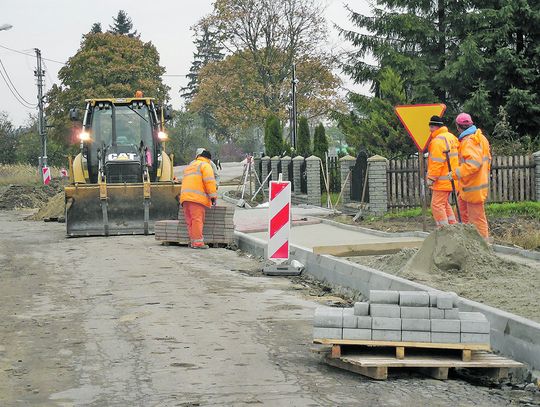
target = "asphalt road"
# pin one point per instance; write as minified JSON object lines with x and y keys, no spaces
{"x":124,"y":321}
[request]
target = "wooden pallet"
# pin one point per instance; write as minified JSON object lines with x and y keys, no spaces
{"x":375,"y":365}
{"x":465,"y":348}
{"x":374,"y":358}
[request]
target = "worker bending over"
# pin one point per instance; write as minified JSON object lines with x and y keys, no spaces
{"x":213,"y":164}
{"x":443,"y":146}
{"x":472,"y":173}
{"x":198,"y":193}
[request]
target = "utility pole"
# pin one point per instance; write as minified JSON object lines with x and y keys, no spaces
{"x":294,"y":111}
{"x":39,"y":73}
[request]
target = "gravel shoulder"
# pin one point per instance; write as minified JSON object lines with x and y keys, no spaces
{"x":124,"y":321}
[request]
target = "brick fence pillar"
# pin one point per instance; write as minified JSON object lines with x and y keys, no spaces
{"x":256,"y":164}
{"x":297,"y":163}
{"x":378,"y":185}
{"x":313,"y":169}
{"x":345,"y":164}
{"x":274,"y":161}
{"x":285,"y":167}
{"x":536,"y":157}
{"x":265,"y":161}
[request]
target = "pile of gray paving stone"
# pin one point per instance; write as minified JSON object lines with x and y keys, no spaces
{"x":403,"y":316}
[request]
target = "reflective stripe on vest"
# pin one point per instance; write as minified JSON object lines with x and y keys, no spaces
{"x":194,"y":191}
{"x":437,"y":159}
{"x":477,"y":188}
{"x":473,"y":162}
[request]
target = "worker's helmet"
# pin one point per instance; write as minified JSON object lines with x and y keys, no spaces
{"x":464,"y":120}
{"x":139,"y":94}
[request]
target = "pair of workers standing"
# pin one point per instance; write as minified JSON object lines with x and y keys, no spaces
{"x":463,"y":161}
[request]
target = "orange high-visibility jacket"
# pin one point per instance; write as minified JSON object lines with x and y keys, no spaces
{"x":474,"y":168}
{"x":442,"y":140}
{"x":199,"y":183}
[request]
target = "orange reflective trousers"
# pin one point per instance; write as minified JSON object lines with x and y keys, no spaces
{"x":441,"y":209}
{"x":475,"y":214}
{"x":194,"y":215}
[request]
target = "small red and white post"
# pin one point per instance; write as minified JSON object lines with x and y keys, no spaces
{"x":279,"y":220}
{"x":46,"y":174}
{"x":279,"y":227}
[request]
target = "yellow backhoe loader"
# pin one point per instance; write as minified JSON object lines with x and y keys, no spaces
{"x":122,"y":180}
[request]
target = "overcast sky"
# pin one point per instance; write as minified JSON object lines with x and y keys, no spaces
{"x":56,"y":27}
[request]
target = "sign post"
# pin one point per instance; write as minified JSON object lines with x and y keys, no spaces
{"x":279,"y":226}
{"x":46,"y":174}
{"x":415,"y":119}
{"x":279,"y":220}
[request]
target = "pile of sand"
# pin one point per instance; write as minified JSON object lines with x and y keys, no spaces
{"x":53,"y":210}
{"x":456,"y":249}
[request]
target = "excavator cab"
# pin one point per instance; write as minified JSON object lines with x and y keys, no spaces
{"x":122,"y":180}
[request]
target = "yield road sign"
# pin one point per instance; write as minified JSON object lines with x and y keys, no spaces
{"x":415,"y":118}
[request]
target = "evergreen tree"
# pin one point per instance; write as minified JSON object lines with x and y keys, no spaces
{"x":414,"y":38}
{"x":273,"y":138}
{"x":304,"y":139}
{"x":498,"y":65}
{"x":208,"y":49}
{"x":122,"y":25}
{"x":373,"y":125}
{"x":473,"y":55}
{"x":96,"y":28}
{"x":320,"y":142}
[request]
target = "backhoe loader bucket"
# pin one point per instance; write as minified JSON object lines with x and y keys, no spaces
{"x":120,"y":209}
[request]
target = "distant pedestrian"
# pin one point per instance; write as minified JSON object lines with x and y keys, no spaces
{"x":473,"y":173}
{"x":441,"y":143}
{"x":198,"y":192}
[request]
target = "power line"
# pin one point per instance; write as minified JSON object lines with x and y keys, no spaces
{"x":48,"y":76}
{"x":13,"y":86}
{"x":31,"y":55}
{"x":14,"y":94}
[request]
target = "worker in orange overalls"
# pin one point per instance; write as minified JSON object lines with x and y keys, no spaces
{"x":441,"y":143}
{"x":198,"y":193}
{"x":473,"y":173}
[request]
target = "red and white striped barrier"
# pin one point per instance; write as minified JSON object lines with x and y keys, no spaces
{"x":46,"y":172}
{"x":279,"y":220}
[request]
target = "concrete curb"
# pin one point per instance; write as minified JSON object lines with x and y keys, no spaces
{"x":511,"y":335}
{"x":528,"y":254}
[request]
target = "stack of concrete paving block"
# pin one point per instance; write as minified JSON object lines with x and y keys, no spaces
{"x":403,"y":316}
{"x":218,"y":227}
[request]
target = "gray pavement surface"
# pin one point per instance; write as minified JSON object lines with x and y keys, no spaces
{"x":124,"y":321}
{"x":228,"y":172}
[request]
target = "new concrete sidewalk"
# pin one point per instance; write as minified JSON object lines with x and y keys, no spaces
{"x":322,"y":234}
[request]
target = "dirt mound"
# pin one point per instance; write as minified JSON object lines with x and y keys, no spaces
{"x":54,"y":209}
{"x":28,"y":196}
{"x":458,"y":249}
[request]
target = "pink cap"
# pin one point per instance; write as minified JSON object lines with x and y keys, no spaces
{"x":464,"y":120}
